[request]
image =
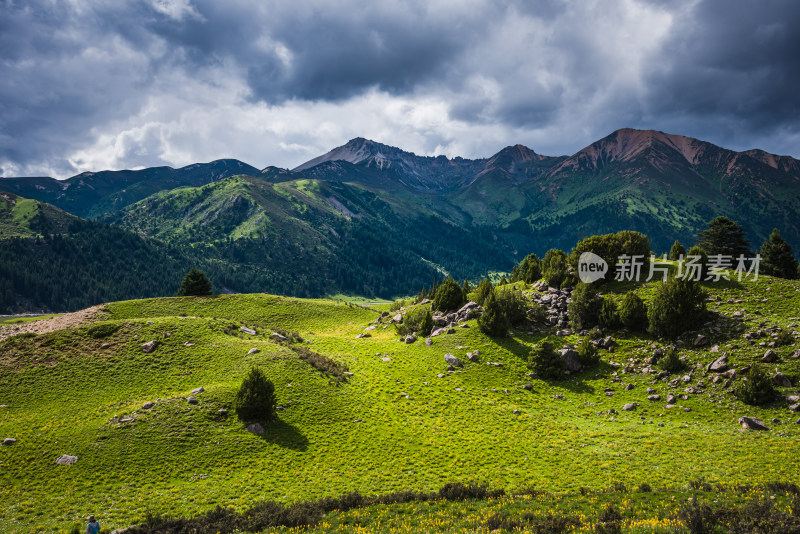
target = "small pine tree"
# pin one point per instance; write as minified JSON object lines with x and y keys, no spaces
{"x":588,"y":354}
{"x":418,"y":319}
{"x":512,"y":305}
{"x":609,"y":316}
{"x":777,"y":258}
{"x":465,"y":287}
{"x":700,"y":257}
{"x":757,"y":389}
{"x":449,"y":296}
{"x":195,"y":283}
{"x":584,"y":310}
{"x":255,"y":400}
{"x":545,"y":361}
{"x":633,"y":312}
{"x":485,"y":288}
{"x":671,"y":361}
{"x":678,"y":305}
{"x":555,"y":268}
{"x":493,"y":322}
{"x":724,"y":236}
{"x":677,"y":250}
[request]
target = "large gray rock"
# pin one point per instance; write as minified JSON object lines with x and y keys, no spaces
{"x":253,"y":351}
{"x":197,"y":391}
{"x":795,"y":355}
{"x":247,"y":330}
{"x":439,"y":331}
{"x":9,"y":441}
{"x":428,"y":342}
{"x":66,"y":459}
{"x":629,"y":407}
{"x":275,"y":335}
{"x":398,"y":318}
{"x":781,"y":380}
{"x":700,"y":340}
{"x":769,"y":356}
{"x":752,"y":423}
{"x":150,"y":346}
{"x":410,"y":338}
{"x":452,"y":360}
{"x":719,"y":365}
{"x":147,"y":405}
{"x":571,"y":360}
{"x":191,"y":400}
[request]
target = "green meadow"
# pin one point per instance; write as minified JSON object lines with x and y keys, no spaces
{"x":393,"y":425}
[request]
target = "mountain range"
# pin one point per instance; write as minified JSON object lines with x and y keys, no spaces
{"x":373,"y":219}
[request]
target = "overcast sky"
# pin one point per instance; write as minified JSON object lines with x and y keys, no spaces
{"x":112,"y":84}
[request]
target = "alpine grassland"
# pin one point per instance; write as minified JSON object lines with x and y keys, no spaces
{"x":121,"y":394}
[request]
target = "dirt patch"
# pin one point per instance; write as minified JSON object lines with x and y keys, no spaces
{"x":68,"y":320}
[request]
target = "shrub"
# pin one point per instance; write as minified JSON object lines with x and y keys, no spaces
{"x":588,"y":354}
{"x":678,"y":305}
{"x":633,"y":243}
{"x":195,"y":283}
{"x":419,"y":319}
{"x":528,"y":270}
{"x":545,"y":361}
{"x":325,"y":365}
{"x":757,"y":389}
{"x":449,"y":296}
{"x":701,"y":260}
{"x":609,"y":521}
{"x":700,"y":484}
{"x":644,"y":487}
{"x":677,"y":251}
{"x":482,"y":292}
{"x":698,"y":517}
{"x":493,"y":322}
{"x":255,"y":400}
{"x":536,"y":313}
{"x":671,"y":361}
{"x":584,"y":310}
{"x":456,"y":491}
{"x":783,"y":338}
{"x":555,"y":268}
{"x":633,"y":312}
{"x":102,"y":330}
{"x":512,"y":305}
{"x":609,"y":315}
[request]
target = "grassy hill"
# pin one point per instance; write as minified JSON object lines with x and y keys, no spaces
{"x":393,"y":425}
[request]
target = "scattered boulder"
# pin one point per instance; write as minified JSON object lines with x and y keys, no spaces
{"x":752,"y":423}
{"x":362,"y":336}
{"x":369,"y":328}
{"x":571,"y":359}
{"x":255,"y":428}
{"x":452,"y":360}
{"x":248,"y":330}
{"x":66,"y":459}
{"x":769,"y":356}
{"x":150,"y":346}
{"x":719,"y":365}
{"x":253,"y":351}
{"x":629,"y":407}
{"x":795,"y":355}
{"x":438,"y":332}
{"x":671,"y":398}
{"x":527,"y":387}
{"x":653,"y":398}
{"x":191,"y":400}
{"x":197,"y":391}
{"x":471,"y":356}
{"x":223,"y":412}
{"x":147,"y":405}
{"x":9,"y":441}
{"x":793,"y":399}
{"x":795,"y":407}
{"x":276,"y":336}
{"x":516,"y":412}
{"x":781,"y":380}
{"x":700,"y":340}
{"x":428,"y":342}
{"x":410,"y":338}
{"x":398,"y":318}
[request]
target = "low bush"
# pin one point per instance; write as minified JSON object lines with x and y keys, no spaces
{"x":545,"y":361}
{"x":255,"y":399}
{"x":609,"y":314}
{"x":584,"y":310}
{"x":483,"y":291}
{"x":456,"y":491}
{"x":449,"y":296}
{"x":419,"y":320}
{"x":325,"y":365}
{"x":633,"y":312}
{"x":671,"y":361}
{"x":609,"y":521}
{"x":555,"y":268}
{"x":697,"y":517}
{"x":512,"y":305}
{"x":677,"y":306}
{"x":493,"y":322}
{"x":757,"y":388}
{"x":588,"y":354}
{"x":101,"y":330}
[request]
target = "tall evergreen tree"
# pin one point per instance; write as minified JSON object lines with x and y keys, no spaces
{"x":195,"y":283}
{"x":724,"y":236}
{"x":677,"y":250}
{"x":777,"y":258}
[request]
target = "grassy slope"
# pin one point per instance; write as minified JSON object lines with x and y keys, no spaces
{"x":63,"y":389}
{"x":24,"y":217}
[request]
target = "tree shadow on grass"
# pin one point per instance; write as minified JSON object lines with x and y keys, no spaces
{"x":285,"y":435}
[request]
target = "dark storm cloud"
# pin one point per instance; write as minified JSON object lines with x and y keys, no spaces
{"x":731,"y":64}
{"x":566,"y":72}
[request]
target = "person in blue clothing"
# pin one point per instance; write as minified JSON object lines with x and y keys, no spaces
{"x":93,"y":527}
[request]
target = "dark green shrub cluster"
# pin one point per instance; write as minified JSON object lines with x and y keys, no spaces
{"x":546,"y":362}
{"x":195,"y":283}
{"x":757,"y":388}
{"x":678,"y":305}
{"x":456,"y":491}
{"x":493,"y":322}
{"x":449,"y":296}
{"x":555,"y":268}
{"x":483,"y":291}
{"x":255,"y":400}
{"x":419,"y":320}
{"x":671,"y":361}
{"x":609,"y":314}
{"x":757,"y":516}
{"x":777,"y":258}
{"x":611,"y":247}
{"x":633,"y":312}
{"x":676,"y":251}
{"x":549,"y":524}
{"x":783,"y":338}
{"x":528,"y":270}
{"x":701,"y":271}
{"x":588,"y":354}
{"x":584,"y":310}
{"x":609,"y":521}
{"x":644,"y":487}
{"x":512,"y":304}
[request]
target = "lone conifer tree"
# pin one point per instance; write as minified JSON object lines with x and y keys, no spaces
{"x":777,"y":258}
{"x":195,"y":283}
{"x":724,"y":236}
